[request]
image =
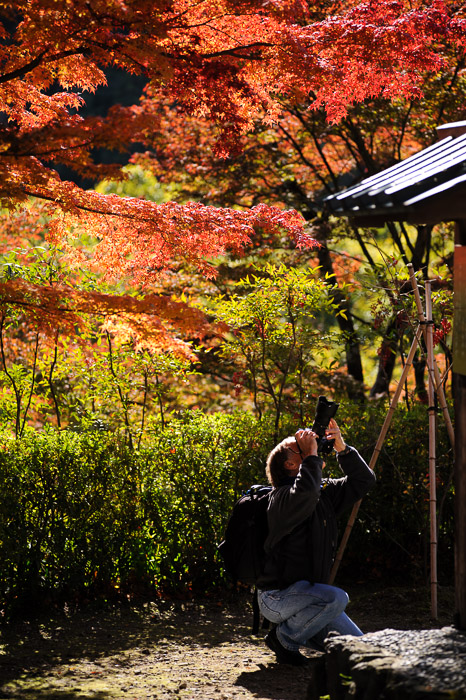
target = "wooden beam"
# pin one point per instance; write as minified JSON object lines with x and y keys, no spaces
{"x":432,"y":451}
{"x":449,"y":205}
{"x":459,"y":387}
{"x":453,"y":129}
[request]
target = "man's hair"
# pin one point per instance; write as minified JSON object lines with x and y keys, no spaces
{"x":275,"y":465}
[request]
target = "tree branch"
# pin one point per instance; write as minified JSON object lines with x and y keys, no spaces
{"x":21,"y":72}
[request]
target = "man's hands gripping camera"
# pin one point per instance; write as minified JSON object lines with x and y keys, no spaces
{"x":333,"y":433}
{"x":306,"y":439}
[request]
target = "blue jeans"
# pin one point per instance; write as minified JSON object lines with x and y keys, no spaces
{"x":304,"y":611}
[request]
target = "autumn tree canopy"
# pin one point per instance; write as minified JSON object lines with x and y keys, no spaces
{"x":228,"y":62}
{"x":302,"y":157}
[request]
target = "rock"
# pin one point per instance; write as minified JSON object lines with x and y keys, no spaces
{"x":393,"y":665}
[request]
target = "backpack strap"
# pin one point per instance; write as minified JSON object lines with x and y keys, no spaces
{"x":256,"y":614}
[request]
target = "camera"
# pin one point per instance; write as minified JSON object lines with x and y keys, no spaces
{"x":324,"y":411}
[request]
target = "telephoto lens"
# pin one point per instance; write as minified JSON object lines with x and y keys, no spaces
{"x":325,"y":410}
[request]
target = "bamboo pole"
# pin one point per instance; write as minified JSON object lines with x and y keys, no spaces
{"x":377,"y":449}
{"x":432,"y":468}
{"x":437,"y":381}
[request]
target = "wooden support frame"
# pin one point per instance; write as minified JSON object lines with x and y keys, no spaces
{"x":435,"y":386}
{"x":366,"y":206}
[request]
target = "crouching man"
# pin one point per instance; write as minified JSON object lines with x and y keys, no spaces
{"x":302,"y":519}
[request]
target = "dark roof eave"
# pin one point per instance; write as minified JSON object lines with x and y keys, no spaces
{"x":449,"y":205}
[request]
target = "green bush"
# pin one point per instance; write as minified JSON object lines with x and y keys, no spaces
{"x":81,"y":515}
{"x":69,"y":513}
{"x":195,"y":470}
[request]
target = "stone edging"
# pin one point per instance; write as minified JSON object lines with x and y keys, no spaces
{"x":392,"y":665}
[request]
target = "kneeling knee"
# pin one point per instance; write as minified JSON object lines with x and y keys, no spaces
{"x":341,"y":600}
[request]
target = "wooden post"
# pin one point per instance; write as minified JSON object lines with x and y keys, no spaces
{"x":459,"y":385}
{"x":432,"y":470}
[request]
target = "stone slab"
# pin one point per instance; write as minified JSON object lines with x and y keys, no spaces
{"x":393,"y":665}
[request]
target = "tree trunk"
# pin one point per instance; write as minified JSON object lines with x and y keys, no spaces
{"x":353,"y":351}
{"x":421,"y":246}
{"x":419,"y":364}
{"x":388,"y":352}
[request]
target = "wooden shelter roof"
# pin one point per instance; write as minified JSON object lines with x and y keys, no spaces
{"x":425,"y":188}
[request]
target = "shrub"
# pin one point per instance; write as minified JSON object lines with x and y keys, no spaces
{"x":69,"y":510}
{"x":81,"y":515}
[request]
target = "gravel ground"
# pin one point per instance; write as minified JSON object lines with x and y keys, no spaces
{"x":171,"y":649}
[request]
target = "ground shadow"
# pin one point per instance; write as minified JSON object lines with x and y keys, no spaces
{"x":277,"y":681}
{"x":122,"y":638}
{"x":33,"y":646}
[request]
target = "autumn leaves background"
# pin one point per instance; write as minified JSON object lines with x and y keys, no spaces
{"x":201,"y":287}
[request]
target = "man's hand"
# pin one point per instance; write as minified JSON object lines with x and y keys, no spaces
{"x":333,"y":433}
{"x":307,"y":442}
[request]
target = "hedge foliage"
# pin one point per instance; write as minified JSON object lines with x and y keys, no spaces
{"x":82,"y":515}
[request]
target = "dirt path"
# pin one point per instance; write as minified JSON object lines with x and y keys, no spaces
{"x":175,"y":650}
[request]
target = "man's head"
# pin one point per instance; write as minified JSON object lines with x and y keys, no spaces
{"x":283,"y":461}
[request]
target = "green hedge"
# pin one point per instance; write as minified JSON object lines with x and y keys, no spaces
{"x":81,"y":515}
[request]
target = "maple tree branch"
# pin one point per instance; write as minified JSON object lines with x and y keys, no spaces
{"x":100,"y":17}
{"x":116,"y":45}
{"x":311,"y":130}
{"x":184,"y":12}
{"x":60,"y":310}
{"x":458,"y":68}
{"x":404,"y":126}
{"x":159,"y":400}
{"x":33,"y":381}
{"x":325,"y":161}
{"x":49,"y":152}
{"x":225,"y":52}
{"x":218,"y":30}
{"x":406,"y":237}
{"x":124,"y":403}
{"x":391,"y":226}
{"x":358,"y":139}
{"x":305,"y":160}
{"x":296,"y":145}
{"x":91,"y":210}
{"x":50,"y":383}
{"x":144,"y":403}
{"x":256,"y":388}
{"x":10,"y":377}
{"x":353,"y":152}
{"x":265,"y":371}
{"x":94,"y":210}
{"x":21,"y":72}
{"x":286,"y":367}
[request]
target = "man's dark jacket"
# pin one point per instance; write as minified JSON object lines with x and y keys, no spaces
{"x":302,"y":520}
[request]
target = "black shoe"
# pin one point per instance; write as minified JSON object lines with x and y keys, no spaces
{"x":284,"y":656}
{"x":314,"y":644}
